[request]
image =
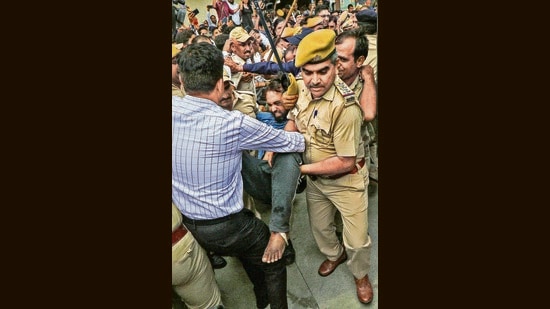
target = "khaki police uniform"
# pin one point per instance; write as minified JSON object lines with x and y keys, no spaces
{"x":372,"y":60}
{"x":331,"y":126}
{"x":368,"y":132}
{"x":192,"y":274}
{"x":236,"y":77}
{"x":245,"y":103}
{"x":176,"y":91}
{"x":239,"y":35}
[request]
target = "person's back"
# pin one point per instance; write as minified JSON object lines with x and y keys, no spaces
{"x":197,"y":122}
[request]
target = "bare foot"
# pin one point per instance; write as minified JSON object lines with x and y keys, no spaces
{"x":275,"y":248}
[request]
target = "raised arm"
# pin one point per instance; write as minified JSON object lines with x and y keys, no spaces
{"x":367,"y":98}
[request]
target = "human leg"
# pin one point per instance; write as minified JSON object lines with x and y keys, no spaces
{"x":193,"y":278}
{"x":357,"y":241}
{"x":256,"y":175}
{"x":321,"y":214}
{"x":285,"y":174}
{"x":284,"y":179}
{"x":275,"y":186}
{"x":269,"y":279}
{"x":245,"y":236}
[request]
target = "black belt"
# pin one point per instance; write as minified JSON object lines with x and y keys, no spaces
{"x":210,"y":221}
{"x":353,"y":171}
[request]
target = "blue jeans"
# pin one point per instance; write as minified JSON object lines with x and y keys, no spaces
{"x":275,"y":185}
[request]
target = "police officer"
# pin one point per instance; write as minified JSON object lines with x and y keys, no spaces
{"x":329,"y":116}
{"x":193,"y":279}
{"x":177,"y":87}
{"x":240,"y":44}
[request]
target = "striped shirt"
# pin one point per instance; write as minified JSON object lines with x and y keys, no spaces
{"x":207,"y":145}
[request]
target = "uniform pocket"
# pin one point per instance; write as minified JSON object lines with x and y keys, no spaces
{"x":322,"y":135}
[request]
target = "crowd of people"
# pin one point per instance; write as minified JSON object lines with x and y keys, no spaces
{"x":264,"y":108}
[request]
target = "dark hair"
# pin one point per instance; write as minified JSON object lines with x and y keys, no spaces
{"x":201,"y":38}
{"x":319,"y":8}
{"x":361,"y":42}
{"x":183,"y":36}
{"x":333,"y":18}
{"x":275,"y":85}
{"x":274,"y":25}
{"x":369,"y":28}
{"x":201,"y":67}
{"x":220,"y":40}
{"x":227,"y":29}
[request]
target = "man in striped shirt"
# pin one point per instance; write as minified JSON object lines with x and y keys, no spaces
{"x":207,"y":186}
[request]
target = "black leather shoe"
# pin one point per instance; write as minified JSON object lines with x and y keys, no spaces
{"x":289,"y":255}
{"x":302,"y":184}
{"x":217,"y":261}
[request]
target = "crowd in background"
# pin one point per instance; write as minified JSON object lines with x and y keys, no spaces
{"x":222,"y":16}
{"x":256,"y":50}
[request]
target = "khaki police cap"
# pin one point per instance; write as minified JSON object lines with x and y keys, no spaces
{"x":314,"y":21}
{"x":315,"y":47}
{"x":239,"y":34}
{"x":175,"y":51}
{"x":288,"y":31}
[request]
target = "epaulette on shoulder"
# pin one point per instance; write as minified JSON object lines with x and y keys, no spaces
{"x":245,"y":92}
{"x":347,"y":93}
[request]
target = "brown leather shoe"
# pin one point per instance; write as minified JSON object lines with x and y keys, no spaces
{"x":364,"y":290}
{"x":328,"y":266}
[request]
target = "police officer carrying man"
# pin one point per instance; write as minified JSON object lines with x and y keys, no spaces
{"x":329,"y":116}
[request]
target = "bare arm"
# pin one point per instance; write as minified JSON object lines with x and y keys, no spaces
{"x":367,"y":98}
{"x":291,"y":126}
{"x":330,"y":166}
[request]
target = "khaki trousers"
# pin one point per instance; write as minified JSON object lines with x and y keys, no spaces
{"x":192,"y":275}
{"x":348,"y":195}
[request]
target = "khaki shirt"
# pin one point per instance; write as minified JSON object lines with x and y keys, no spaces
{"x":176,"y":91}
{"x":331,"y":125}
{"x":367,"y":129}
{"x":245,"y":103}
{"x":236,"y":77}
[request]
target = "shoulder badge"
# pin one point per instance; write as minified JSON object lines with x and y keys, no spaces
{"x":245,"y":92}
{"x":347,"y":93}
